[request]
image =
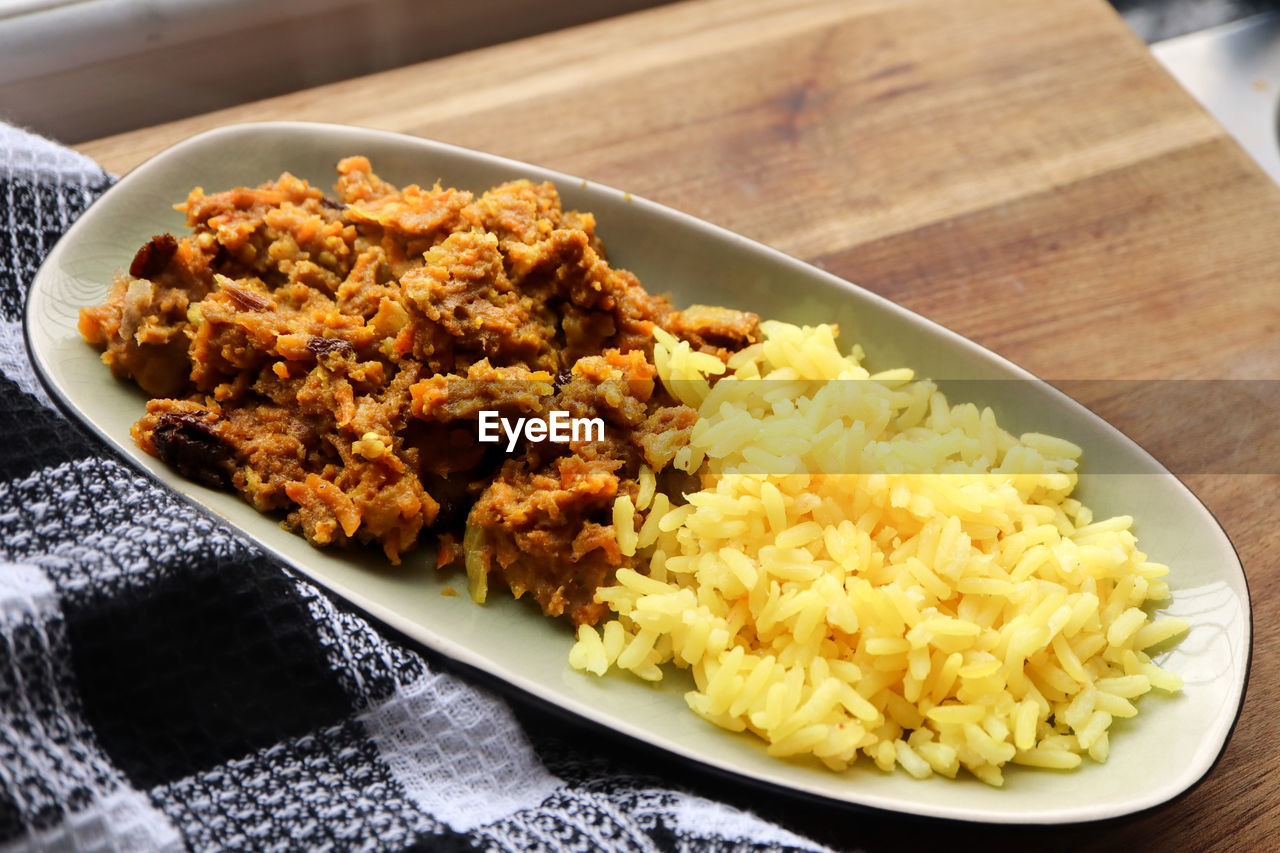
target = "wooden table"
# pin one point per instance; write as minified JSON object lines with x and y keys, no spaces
{"x":959,"y":157}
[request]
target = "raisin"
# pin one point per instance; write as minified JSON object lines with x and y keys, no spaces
{"x":190,"y":445}
{"x":320,"y":347}
{"x":154,"y":256}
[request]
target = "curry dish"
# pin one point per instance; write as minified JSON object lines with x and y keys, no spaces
{"x":328,"y":358}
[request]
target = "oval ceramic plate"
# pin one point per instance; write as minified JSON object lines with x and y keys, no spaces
{"x":1169,"y":747}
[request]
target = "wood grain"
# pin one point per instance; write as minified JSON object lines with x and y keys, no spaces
{"x":1025,"y":174}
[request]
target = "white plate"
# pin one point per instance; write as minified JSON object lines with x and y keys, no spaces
{"x":1170,"y":746}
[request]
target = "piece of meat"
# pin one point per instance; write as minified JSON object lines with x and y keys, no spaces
{"x":531,"y":524}
{"x":710,"y":328}
{"x":600,"y":307}
{"x":545,"y":523}
{"x":469,"y":310}
{"x":141,"y":330}
{"x":510,"y":391}
{"x":281,"y":232}
{"x":518,"y":211}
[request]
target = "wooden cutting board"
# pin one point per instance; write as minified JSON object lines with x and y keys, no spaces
{"x":1025,"y":174}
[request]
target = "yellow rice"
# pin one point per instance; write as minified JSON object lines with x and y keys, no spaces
{"x":929,"y":622}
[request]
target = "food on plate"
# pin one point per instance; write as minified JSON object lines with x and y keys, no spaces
{"x":847,"y":563}
{"x":329,"y":359}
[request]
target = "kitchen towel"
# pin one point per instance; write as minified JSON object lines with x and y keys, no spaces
{"x":164,"y":685}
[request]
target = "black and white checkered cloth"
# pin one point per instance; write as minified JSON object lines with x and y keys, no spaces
{"x":164,"y":685}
